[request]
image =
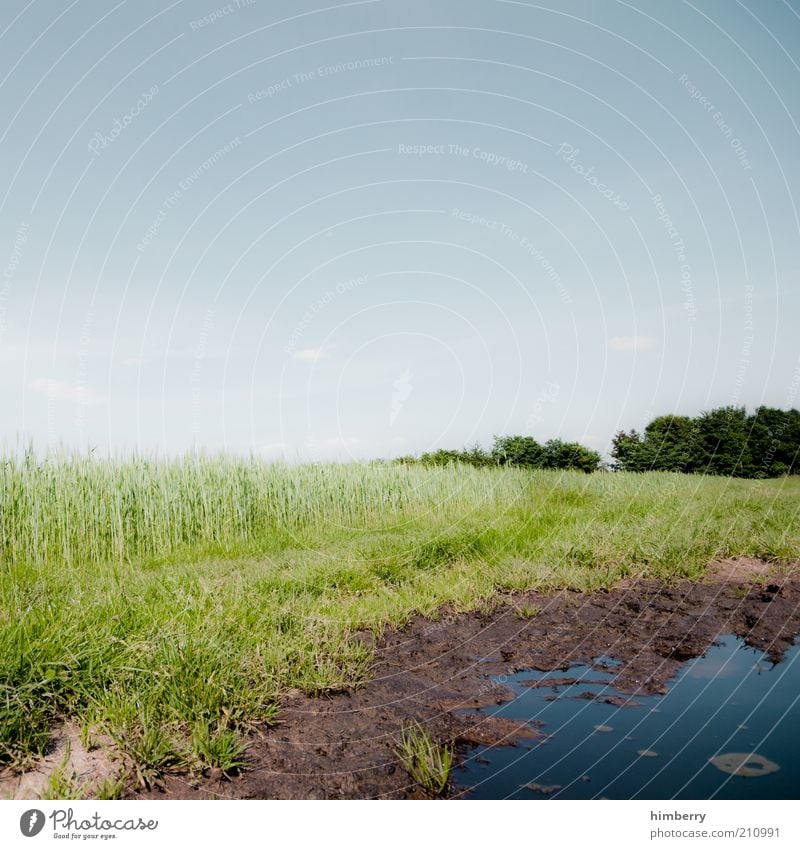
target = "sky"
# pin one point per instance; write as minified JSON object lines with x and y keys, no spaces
{"x":377,"y":228}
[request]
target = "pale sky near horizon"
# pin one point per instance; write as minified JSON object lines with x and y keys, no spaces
{"x":377,"y":228}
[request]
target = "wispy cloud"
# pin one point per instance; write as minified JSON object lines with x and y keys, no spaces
{"x":308,"y":355}
{"x":631,"y":343}
{"x":60,"y":390}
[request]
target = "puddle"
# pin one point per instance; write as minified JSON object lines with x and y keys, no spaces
{"x":731,"y":705}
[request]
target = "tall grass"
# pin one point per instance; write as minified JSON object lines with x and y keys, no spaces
{"x":170,"y":603}
{"x":80,"y":509}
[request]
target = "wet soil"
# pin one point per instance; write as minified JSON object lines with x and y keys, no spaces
{"x":344,"y":745}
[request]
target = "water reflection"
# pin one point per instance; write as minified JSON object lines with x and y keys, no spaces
{"x":725,"y":729}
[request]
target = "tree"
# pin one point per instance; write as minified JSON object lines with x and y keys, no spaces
{"x":669,"y":443}
{"x":475,"y":456}
{"x":720,"y":446}
{"x":440,"y":457}
{"x":723,"y":441}
{"x":628,"y":451}
{"x":518,"y":451}
{"x":774,"y":439}
{"x":569,"y":455}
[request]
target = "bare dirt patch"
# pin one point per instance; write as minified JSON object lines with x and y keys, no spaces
{"x":70,"y":762}
{"x":741,"y":570}
{"x":344,"y":746}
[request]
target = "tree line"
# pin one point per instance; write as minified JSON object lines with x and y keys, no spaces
{"x":516,"y":451}
{"x":723,"y":441}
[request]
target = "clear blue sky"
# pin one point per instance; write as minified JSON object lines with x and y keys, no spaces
{"x":375,"y":228}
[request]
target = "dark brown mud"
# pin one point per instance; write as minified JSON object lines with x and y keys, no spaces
{"x":344,"y":746}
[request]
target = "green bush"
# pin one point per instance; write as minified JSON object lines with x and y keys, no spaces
{"x":522,"y":451}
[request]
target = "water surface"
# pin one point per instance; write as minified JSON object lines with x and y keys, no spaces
{"x":731,"y":700}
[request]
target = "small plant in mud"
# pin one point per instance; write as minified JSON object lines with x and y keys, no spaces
{"x":528,"y":611}
{"x":427,"y":762}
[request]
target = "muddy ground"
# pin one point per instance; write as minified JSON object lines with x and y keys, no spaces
{"x":344,"y":746}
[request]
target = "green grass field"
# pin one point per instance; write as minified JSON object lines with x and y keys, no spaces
{"x":168,"y":604}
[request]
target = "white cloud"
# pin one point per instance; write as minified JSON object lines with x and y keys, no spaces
{"x":631,"y":343}
{"x":308,"y":355}
{"x":60,"y":390}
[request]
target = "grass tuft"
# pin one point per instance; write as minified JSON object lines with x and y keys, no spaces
{"x":527,"y":611}
{"x":427,"y":762}
{"x":219,"y":747}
